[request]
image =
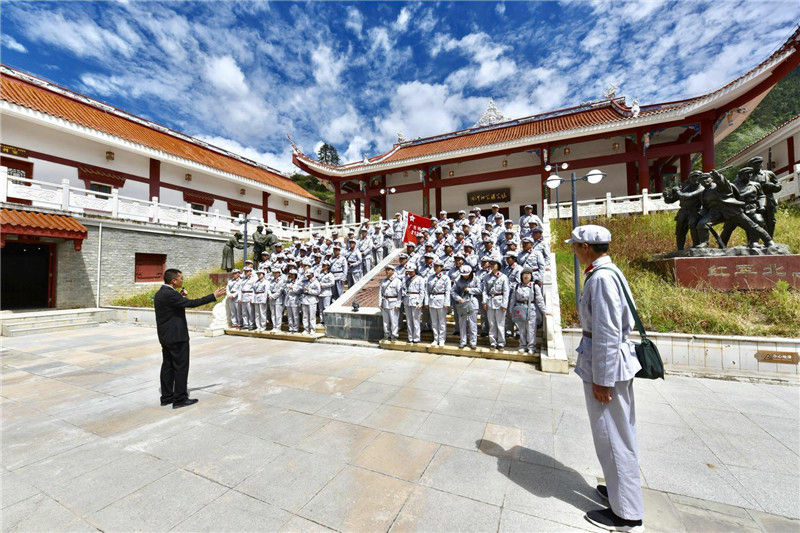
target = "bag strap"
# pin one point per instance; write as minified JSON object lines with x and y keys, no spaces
{"x":637,"y":321}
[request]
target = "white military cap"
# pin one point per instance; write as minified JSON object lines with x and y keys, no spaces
{"x":236,"y":271}
{"x":293,"y":271}
{"x":411,"y":267}
{"x":495,"y":205}
{"x":442,"y":212}
{"x":499,"y":215}
{"x":437,"y":262}
{"x":529,"y":206}
{"x":465,"y":270}
{"x":438,"y":231}
{"x":527,"y":239}
{"x":248,"y":261}
{"x":248,"y":267}
{"x":265,"y":252}
{"x":261,"y":271}
{"x":310,"y":272}
{"x":431,"y":256}
{"x":590,"y":234}
{"x":462,"y":212}
{"x":398,"y":215}
{"x":472,"y":214}
{"x":275,"y":269}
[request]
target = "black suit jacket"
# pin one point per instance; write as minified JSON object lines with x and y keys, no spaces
{"x":170,"y":309}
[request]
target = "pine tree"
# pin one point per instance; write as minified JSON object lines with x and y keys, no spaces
{"x":327,"y":154}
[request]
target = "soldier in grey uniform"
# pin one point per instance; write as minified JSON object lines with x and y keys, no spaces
{"x":414,"y":297}
{"x":528,"y":217}
{"x":339,"y":271}
{"x":496,"y":291}
{"x":260,"y":289}
{"x":528,"y":296}
{"x":326,"y":283}
{"x":466,"y":291}
{"x":365,"y":249}
{"x":398,"y":230}
{"x":310,"y":296}
{"x":354,"y":262}
{"x":232,"y":291}
{"x":482,"y":274}
{"x":293,"y":293}
{"x":607,"y":363}
{"x":246,"y":298}
{"x":438,"y":287}
{"x":277,"y":288}
{"x":390,"y":299}
{"x":377,"y":244}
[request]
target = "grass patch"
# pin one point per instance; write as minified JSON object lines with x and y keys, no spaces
{"x":665,"y":307}
{"x":197,"y":286}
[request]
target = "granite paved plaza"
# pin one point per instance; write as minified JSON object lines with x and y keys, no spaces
{"x":306,"y":437}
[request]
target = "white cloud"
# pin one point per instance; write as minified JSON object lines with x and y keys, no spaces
{"x":488,"y":66}
{"x":225,"y":74}
{"x":356,"y":149}
{"x":280,"y":161}
{"x":401,"y":23}
{"x":12,"y":44}
{"x":342,"y":127}
{"x":500,"y":8}
{"x":326,"y":67}
{"x":355,"y":20}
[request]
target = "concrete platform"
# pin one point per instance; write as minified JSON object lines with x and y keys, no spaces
{"x":480,"y":351}
{"x":276,"y":335}
{"x":351,"y":438}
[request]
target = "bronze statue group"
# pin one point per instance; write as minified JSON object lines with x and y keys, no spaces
{"x":708,"y":199}
{"x":469,"y":265}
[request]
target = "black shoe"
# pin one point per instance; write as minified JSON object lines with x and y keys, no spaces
{"x":184,"y":403}
{"x":606,"y":519}
{"x":165,"y":402}
{"x":602,"y":491}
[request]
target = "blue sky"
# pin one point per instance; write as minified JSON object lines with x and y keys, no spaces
{"x":244,"y":74}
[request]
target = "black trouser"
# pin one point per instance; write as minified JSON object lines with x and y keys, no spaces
{"x":174,"y":371}
{"x":686,"y":221}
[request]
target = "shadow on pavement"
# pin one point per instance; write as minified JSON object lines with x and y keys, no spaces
{"x":556,"y":481}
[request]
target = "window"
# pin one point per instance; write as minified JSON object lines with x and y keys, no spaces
{"x":18,"y":169}
{"x":101,"y":188}
{"x":149,"y":267}
{"x":199,"y":207}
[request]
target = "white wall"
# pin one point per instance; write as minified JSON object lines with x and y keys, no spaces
{"x":32,"y":136}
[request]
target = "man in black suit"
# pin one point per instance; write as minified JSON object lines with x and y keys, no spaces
{"x":173,"y":334}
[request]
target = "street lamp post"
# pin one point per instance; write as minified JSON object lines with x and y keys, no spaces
{"x":386,"y":192}
{"x":593,"y":177}
{"x":242,"y":221}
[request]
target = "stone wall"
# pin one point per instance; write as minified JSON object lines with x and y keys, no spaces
{"x":76,"y":271}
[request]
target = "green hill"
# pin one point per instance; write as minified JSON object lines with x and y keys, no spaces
{"x":781,"y":104}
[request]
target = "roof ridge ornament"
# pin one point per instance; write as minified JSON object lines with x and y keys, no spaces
{"x":400,"y":137}
{"x":491,"y":116}
{"x":635,"y":108}
{"x":611,"y":91}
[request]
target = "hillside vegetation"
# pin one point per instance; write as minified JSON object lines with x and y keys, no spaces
{"x":665,"y":307}
{"x":781,"y":104}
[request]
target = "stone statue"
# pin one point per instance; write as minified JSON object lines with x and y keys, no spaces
{"x":259,"y":243}
{"x":270,"y":240}
{"x":227,"y":251}
{"x":769,"y":186}
{"x":720,"y":204}
{"x":689,"y":196}
{"x":749,"y":193}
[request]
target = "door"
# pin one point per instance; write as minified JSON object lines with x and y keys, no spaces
{"x":26,"y":276}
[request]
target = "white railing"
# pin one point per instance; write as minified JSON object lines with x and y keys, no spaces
{"x":554,"y":356}
{"x":75,"y":200}
{"x":642,"y":204}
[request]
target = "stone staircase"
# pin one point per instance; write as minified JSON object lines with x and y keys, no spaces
{"x":14,"y":324}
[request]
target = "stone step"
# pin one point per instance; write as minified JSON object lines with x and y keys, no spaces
{"x":511,"y":342}
{"x":275,"y":335}
{"x":14,"y":319}
{"x":485,"y":353}
{"x":17,"y":330}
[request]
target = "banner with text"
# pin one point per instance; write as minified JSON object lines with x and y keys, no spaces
{"x":414,"y":226}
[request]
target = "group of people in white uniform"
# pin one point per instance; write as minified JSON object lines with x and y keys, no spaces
{"x":470,"y":266}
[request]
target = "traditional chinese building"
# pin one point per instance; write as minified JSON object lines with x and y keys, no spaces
{"x":503,"y":161}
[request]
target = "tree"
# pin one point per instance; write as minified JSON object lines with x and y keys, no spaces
{"x":327,"y":154}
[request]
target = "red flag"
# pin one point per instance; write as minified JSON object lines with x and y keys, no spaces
{"x":414,"y":226}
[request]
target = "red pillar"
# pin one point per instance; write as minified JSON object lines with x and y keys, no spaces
{"x":358,"y":209}
{"x":630,"y":167}
{"x":155,"y":178}
{"x":686,"y":165}
{"x":644,"y":169}
{"x":658,"y":179}
{"x":790,"y":152}
{"x":426,"y":195}
{"x":308,"y":215}
{"x":438,"y":196}
{"x":367,"y":207}
{"x":707,"y":136}
{"x":384,"y":199}
{"x":337,"y":202}
{"x":265,"y":205}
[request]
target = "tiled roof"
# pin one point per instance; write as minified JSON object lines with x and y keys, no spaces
{"x":601,"y":113}
{"x":32,"y":223}
{"x":101,"y":117}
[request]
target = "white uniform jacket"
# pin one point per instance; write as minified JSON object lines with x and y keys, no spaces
{"x":311,"y":291}
{"x":339,"y":268}
{"x":293,"y":293}
{"x":415,"y":292}
{"x":277,"y":288}
{"x":605,"y":355}
{"x":233,"y":288}
{"x":496,"y":290}
{"x":246,"y":289}
{"x":260,"y":288}
{"x":326,"y":283}
{"x":390,"y":295}
{"x":398,"y":229}
{"x":438,"y":288}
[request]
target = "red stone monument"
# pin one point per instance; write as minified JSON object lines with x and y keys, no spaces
{"x":733,"y":272}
